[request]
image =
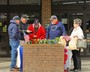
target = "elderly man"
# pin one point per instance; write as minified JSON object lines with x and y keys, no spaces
{"x":14,"y":36}
{"x":23,"y":27}
{"x":55,"y":29}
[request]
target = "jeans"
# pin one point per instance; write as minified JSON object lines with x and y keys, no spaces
{"x":14,"y":45}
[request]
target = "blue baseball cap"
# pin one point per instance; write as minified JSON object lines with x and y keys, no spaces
{"x":16,"y":18}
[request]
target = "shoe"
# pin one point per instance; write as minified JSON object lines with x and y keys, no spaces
{"x":16,"y":67}
{"x":79,"y":70}
{"x":12,"y":69}
{"x":74,"y":69}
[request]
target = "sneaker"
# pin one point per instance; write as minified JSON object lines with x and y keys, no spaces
{"x":79,"y":70}
{"x":16,"y":67}
{"x":12,"y":69}
{"x":75,"y":70}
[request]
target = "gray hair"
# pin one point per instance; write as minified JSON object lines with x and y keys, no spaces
{"x":78,"y":21}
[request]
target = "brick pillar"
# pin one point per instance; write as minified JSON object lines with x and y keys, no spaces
{"x":46,"y":11}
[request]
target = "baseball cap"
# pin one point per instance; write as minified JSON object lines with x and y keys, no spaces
{"x":36,"y":21}
{"x":25,"y":16}
{"x":16,"y":18}
{"x":53,"y":17}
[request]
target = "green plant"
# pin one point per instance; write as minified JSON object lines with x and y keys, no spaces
{"x":46,"y":41}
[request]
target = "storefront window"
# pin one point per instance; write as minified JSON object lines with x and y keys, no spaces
{"x":21,"y":2}
{"x":3,"y":22}
{"x":3,"y":2}
{"x":32,"y":16}
{"x":3,"y":34}
{"x":88,"y":26}
{"x":71,"y":2}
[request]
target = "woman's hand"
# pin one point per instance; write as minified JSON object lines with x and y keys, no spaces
{"x":35,"y":36}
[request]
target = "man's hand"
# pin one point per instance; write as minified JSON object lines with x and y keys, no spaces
{"x":28,"y":31}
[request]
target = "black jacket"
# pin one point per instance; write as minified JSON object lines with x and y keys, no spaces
{"x":22,"y":27}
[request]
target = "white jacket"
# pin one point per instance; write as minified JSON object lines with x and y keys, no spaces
{"x":77,"y":32}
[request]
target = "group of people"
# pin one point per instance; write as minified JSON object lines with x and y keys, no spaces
{"x":15,"y":31}
{"x":18,"y":26}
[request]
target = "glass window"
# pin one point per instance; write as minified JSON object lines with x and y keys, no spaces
{"x":3,"y":22}
{"x":63,"y":2}
{"x":20,"y":2}
{"x":32,"y":16}
{"x":88,"y":26}
{"x":3,"y":34}
{"x":71,"y":2}
{"x":3,"y":2}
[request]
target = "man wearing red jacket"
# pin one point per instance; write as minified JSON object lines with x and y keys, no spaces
{"x":38,"y":31}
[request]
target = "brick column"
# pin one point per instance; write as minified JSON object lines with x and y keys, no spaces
{"x":46,"y":11}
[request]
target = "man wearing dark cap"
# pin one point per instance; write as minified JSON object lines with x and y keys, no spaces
{"x":55,"y":29}
{"x":14,"y":36}
{"x":38,"y":32}
{"x":23,"y":27}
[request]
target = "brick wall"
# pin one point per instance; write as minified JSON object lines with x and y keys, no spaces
{"x":43,"y":58}
{"x":46,"y":11}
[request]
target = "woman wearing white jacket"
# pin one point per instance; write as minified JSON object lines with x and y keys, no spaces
{"x":77,"y":33}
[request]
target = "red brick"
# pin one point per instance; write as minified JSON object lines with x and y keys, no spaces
{"x":43,"y":58}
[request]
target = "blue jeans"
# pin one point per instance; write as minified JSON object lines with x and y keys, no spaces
{"x":14,"y":45}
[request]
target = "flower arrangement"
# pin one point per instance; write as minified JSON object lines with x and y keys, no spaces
{"x":46,"y":41}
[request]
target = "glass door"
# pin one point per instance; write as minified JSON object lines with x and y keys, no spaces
{"x":4,"y":45}
{"x":88,"y":33}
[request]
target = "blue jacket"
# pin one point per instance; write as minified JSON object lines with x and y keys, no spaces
{"x":13,"y":31}
{"x":55,"y":30}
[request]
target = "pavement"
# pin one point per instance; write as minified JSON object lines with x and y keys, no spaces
{"x":5,"y":62}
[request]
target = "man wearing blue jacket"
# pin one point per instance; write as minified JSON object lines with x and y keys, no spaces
{"x":55,"y":29}
{"x":14,"y":36}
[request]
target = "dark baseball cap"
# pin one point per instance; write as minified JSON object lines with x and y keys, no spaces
{"x":53,"y":17}
{"x":36,"y":21}
{"x":25,"y":16}
{"x":16,"y":18}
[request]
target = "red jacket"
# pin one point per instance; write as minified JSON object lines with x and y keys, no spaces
{"x":40,"y":32}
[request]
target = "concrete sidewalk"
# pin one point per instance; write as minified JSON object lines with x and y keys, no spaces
{"x":5,"y":62}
